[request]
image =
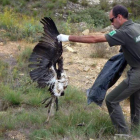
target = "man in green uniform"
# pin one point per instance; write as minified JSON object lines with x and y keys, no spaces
{"x":127,"y":34}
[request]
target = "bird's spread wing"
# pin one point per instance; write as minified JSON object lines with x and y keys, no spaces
{"x":46,"y":53}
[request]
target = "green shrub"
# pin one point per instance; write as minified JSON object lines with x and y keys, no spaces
{"x":60,"y":3}
{"x":12,"y":97}
{"x":99,"y":17}
{"x":84,"y":3}
{"x":100,"y":50}
{"x":3,"y":70}
{"x":54,"y":1}
{"x":23,"y":59}
{"x":92,"y":16}
{"x":50,"y":6}
{"x":41,"y":133}
{"x":19,"y":26}
{"x":104,"y":5}
{"x":24,"y":56}
{"x":83,"y":16}
{"x":74,"y":1}
{"x":36,"y":5}
{"x":5,"y":2}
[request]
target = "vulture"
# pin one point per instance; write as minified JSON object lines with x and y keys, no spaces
{"x":46,"y":63}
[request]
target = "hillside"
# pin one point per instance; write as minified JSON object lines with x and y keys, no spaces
{"x":22,"y":115}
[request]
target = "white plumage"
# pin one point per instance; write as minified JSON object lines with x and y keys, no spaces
{"x":58,"y":85}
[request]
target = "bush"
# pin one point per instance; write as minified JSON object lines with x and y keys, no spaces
{"x":100,"y":50}
{"x":60,"y":3}
{"x":104,"y":5}
{"x":50,"y":6}
{"x":74,"y":1}
{"x":84,"y":3}
{"x":5,"y":2}
{"x":19,"y":26}
{"x":92,"y":16}
{"x":3,"y":70}
{"x":99,"y":16}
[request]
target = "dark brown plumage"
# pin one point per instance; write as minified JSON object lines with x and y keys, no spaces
{"x":47,"y":63}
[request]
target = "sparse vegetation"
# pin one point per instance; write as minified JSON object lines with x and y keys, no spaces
{"x":75,"y":1}
{"x":100,"y":50}
{"x":3,"y":70}
{"x":19,"y":26}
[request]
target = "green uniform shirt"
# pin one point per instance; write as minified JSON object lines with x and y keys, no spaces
{"x":128,"y":36}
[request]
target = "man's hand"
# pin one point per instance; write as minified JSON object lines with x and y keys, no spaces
{"x":63,"y":37}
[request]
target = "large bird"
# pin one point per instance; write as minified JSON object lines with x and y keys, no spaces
{"x":47,"y":64}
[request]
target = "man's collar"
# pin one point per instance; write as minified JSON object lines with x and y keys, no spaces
{"x":128,"y":22}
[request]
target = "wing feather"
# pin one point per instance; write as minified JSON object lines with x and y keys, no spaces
{"x":46,"y":53}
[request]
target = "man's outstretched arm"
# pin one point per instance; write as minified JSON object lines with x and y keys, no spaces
{"x":83,"y":39}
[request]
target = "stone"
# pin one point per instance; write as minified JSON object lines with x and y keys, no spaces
{"x":107,"y":29}
{"x":85,"y":32}
{"x":1,"y":44}
{"x":70,"y":49}
{"x":87,"y":68}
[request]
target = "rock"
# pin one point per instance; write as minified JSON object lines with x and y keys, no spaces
{"x":66,"y":68}
{"x":98,"y":68}
{"x":93,"y":2}
{"x":35,"y":9}
{"x":70,"y":49}
{"x":107,"y":29}
{"x":74,"y":6}
{"x":85,"y":32}
{"x":1,"y":44}
{"x":87,"y":68}
{"x":80,"y":26}
{"x":21,"y":74}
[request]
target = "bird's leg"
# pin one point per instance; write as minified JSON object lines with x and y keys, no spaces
{"x":50,"y":109}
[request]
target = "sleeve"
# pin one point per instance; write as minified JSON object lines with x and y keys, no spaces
{"x":115,"y":37}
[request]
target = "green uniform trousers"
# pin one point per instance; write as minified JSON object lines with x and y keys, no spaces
{"x":130,"y":87}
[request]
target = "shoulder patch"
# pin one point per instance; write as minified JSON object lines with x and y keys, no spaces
{"x":138,"y":38}
{"x":112,"y":33}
